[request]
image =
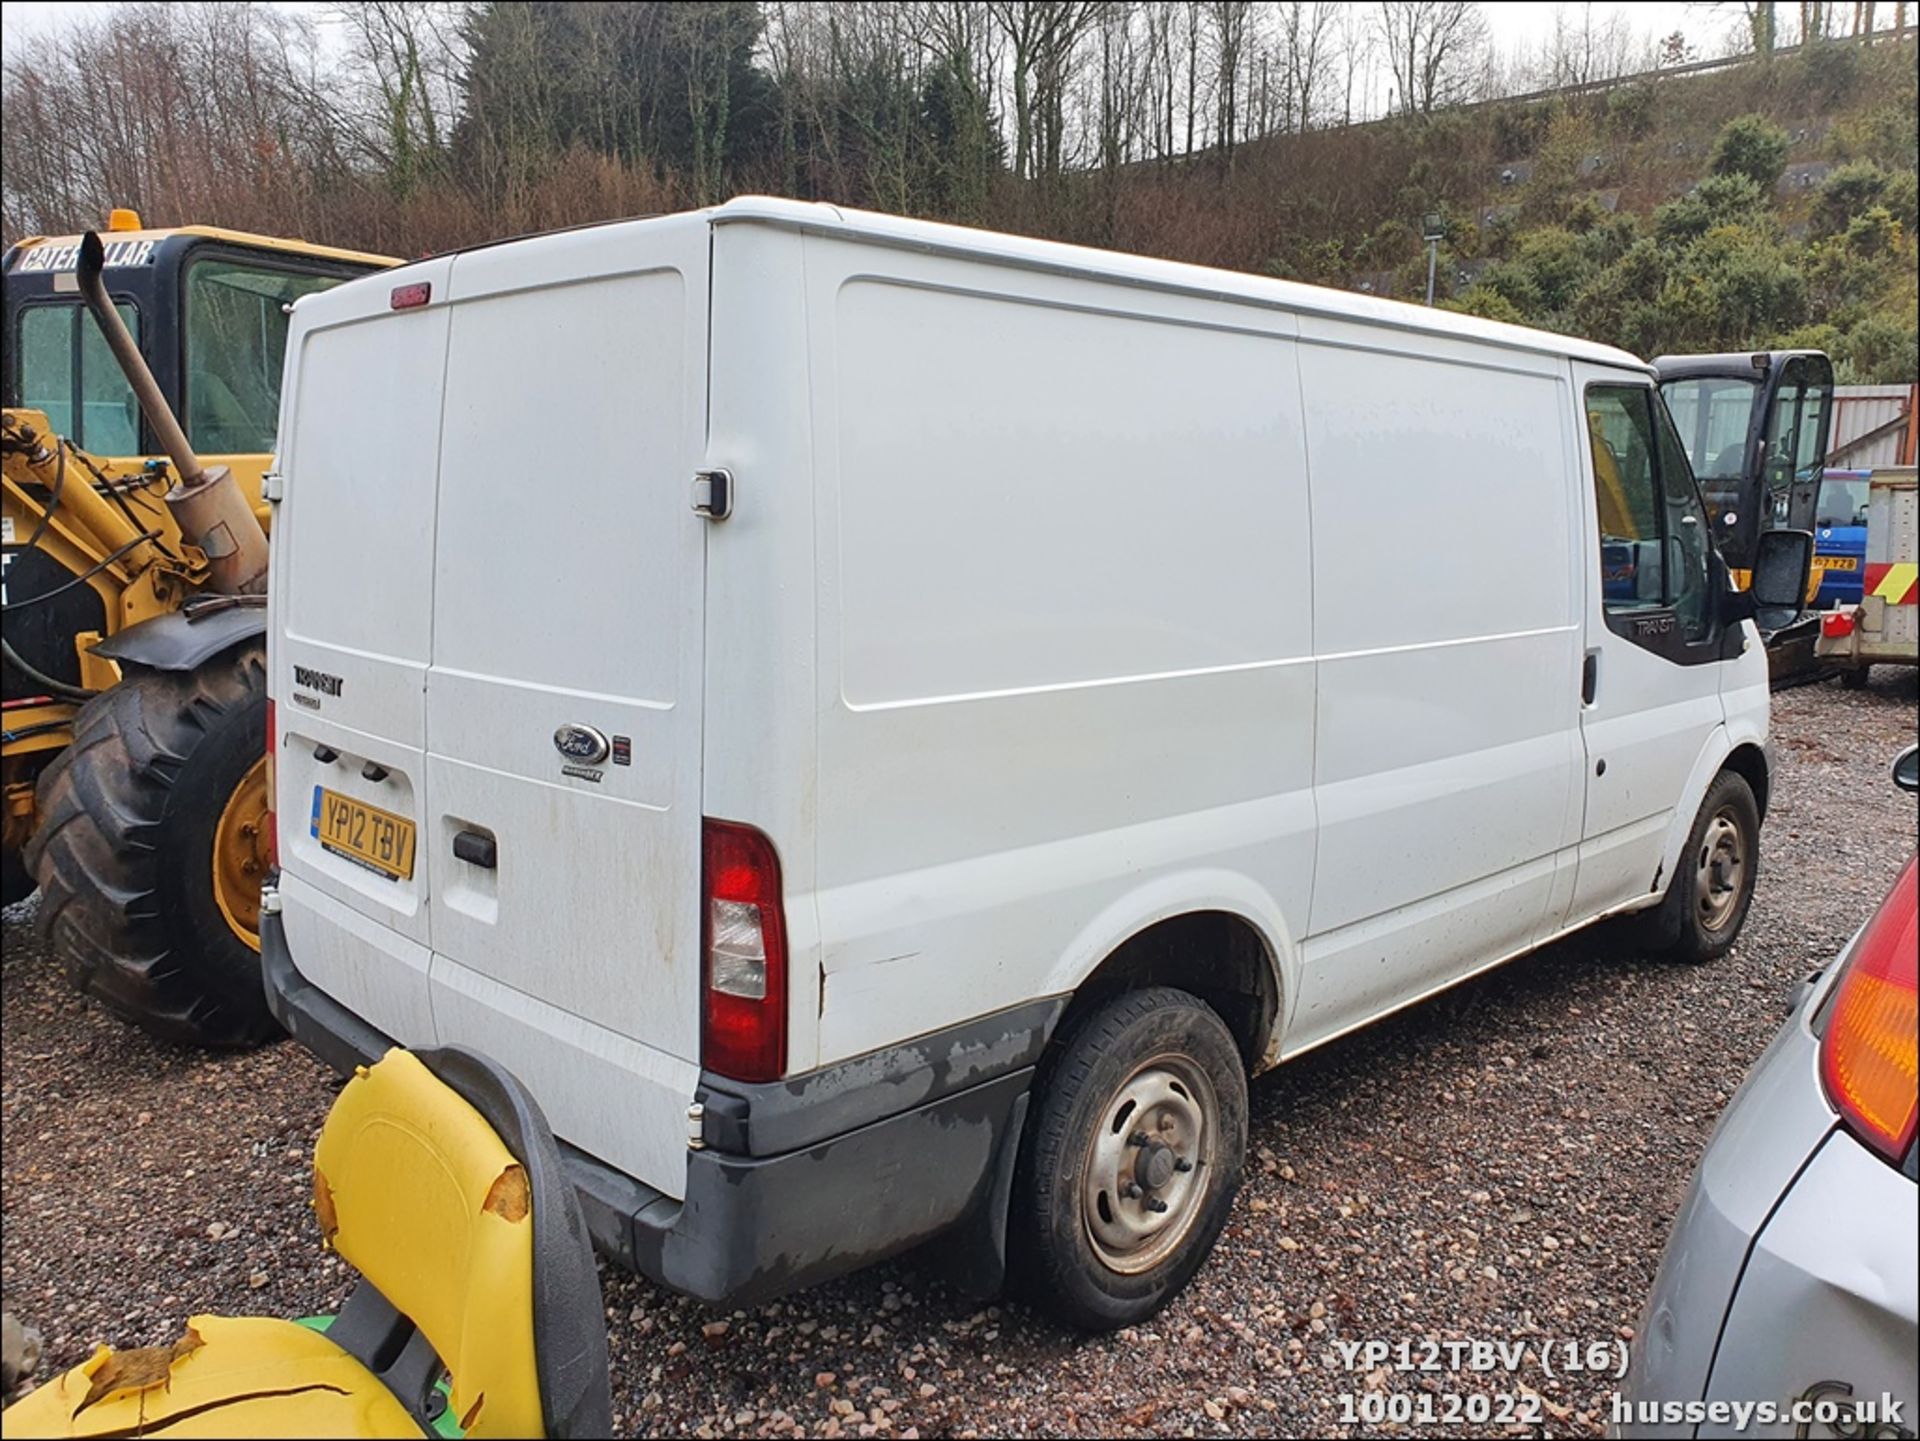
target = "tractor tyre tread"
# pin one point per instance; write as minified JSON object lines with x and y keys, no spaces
{"x":124,"y":840}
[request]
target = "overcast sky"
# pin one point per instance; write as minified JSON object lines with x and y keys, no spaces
{"x":1515,"y":23}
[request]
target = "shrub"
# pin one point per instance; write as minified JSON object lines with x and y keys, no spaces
{"x":1751,"y":286}
{"x":1879,"y":350}
{"x":1902,"y":193}
{"x":1630,"y":111}
{"x":1612,"y":238}
{"x":1846,"y":193}
{"x":1717,"y":200}
{"x":1613,"y":305}
{"x":1487,"y":304}
{"x":1829,"y":70}
{"x":1873,"y":234}
{"x":1519,"y":129}
{"x":1513,"y":283}
{"x":1585,"y":215}
{"x":1753,"y":146}
{"x":1886,"y":134}
{"x":1557,"y":265}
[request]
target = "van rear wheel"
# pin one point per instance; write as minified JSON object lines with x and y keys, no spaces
{"x":1130,"y":1160}
{"x":151,"y":848}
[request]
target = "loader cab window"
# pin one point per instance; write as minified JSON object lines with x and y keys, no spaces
{"x":1796,"y":433}
{"x":1653,"y":531}
{"x":67,"y":371}
{"x":236,"y":339}
{"x":1712,"y":414}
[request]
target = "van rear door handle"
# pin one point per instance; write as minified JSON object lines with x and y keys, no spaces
{"x":476,"y":849}
{"x":1590,"y":678}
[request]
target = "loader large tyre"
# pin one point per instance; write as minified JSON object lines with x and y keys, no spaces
{"x":151,"y":846}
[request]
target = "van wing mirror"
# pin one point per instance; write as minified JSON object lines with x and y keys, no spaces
{"x":1782,"y":564}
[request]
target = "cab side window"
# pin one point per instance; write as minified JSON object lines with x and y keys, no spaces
{"x":236,"y":343}
{"x":67,"y":371}
{"x":1653,"y":534}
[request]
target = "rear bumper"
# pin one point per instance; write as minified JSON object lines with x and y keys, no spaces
{"x":755,"y":1226}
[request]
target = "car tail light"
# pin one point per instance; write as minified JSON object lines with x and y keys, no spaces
{"x":1868,"y":1056}
{"x":273,"y":815}
{"x":744,"y":938}
{"x":410,"y":297}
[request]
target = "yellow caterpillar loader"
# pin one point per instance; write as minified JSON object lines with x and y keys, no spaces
{"x":142,"y":389}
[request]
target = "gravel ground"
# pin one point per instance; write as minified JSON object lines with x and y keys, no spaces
{"x":1499,"y":1164}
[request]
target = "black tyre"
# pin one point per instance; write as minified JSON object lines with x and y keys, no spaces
{"x":143,"y":913}
{"x":1130,"y":1159}
{"x":1712,"y":887}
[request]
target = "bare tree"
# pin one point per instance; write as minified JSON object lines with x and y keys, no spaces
{"x":411,"y":53}
{"x":1762,"y":26}
{"x":1307,"y":37}
{"x":1042,"y":37}
{"x":1227,"y":24}
{"x":1161,"y":19}
{"x":1586,"y":48}
{"x":217,"y":111}
{"x":1431,"y":47}
{"x":1357,"y":37}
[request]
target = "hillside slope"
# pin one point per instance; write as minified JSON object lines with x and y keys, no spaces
{"x":1762,"y":205}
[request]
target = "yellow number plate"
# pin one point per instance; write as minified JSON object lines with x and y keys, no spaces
{"x":1836,"y":562}
{"x":364,"y":834}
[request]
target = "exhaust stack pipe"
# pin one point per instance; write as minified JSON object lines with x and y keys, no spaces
{"x":206,"y":501}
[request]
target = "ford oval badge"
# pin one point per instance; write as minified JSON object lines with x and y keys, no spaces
{"x":583,"y":745}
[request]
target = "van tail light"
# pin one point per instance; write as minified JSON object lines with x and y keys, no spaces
{"x":272,"y":824}
{"x":1837,"y":624}
{"x":1868,"y":1057}
{"x":744,"y":941}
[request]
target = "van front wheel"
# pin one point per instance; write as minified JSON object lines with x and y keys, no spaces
{"x":1130,"y":1160}
{"x":1712,"y":887}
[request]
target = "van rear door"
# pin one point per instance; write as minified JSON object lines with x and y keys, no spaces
{"x":563,"y":702}
{"x":352,"y":587}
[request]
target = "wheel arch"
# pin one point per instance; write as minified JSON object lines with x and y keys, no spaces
{"x":1748,"y":761}
{"x":1217,"y":935}
{"x":1746,"y":757}
{"x":184,"y":640}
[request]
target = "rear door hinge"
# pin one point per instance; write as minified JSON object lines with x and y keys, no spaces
{"x":273,"y":485}
{"x":713,"y":493}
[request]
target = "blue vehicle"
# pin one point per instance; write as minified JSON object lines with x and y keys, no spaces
{"x":1840,"y":537}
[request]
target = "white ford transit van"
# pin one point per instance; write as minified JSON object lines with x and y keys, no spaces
{"x":884,"y":727}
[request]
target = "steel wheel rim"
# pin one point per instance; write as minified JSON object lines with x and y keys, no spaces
{"x":1143,"y":1183}
{"x":1721,"y":872}
{"x":239,"y":854}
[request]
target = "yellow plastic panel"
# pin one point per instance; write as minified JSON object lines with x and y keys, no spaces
{"x":416,"y":1191}
{"x":248,"y":1376}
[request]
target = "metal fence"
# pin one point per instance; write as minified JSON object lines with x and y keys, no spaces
{"x":1873,"y":426}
